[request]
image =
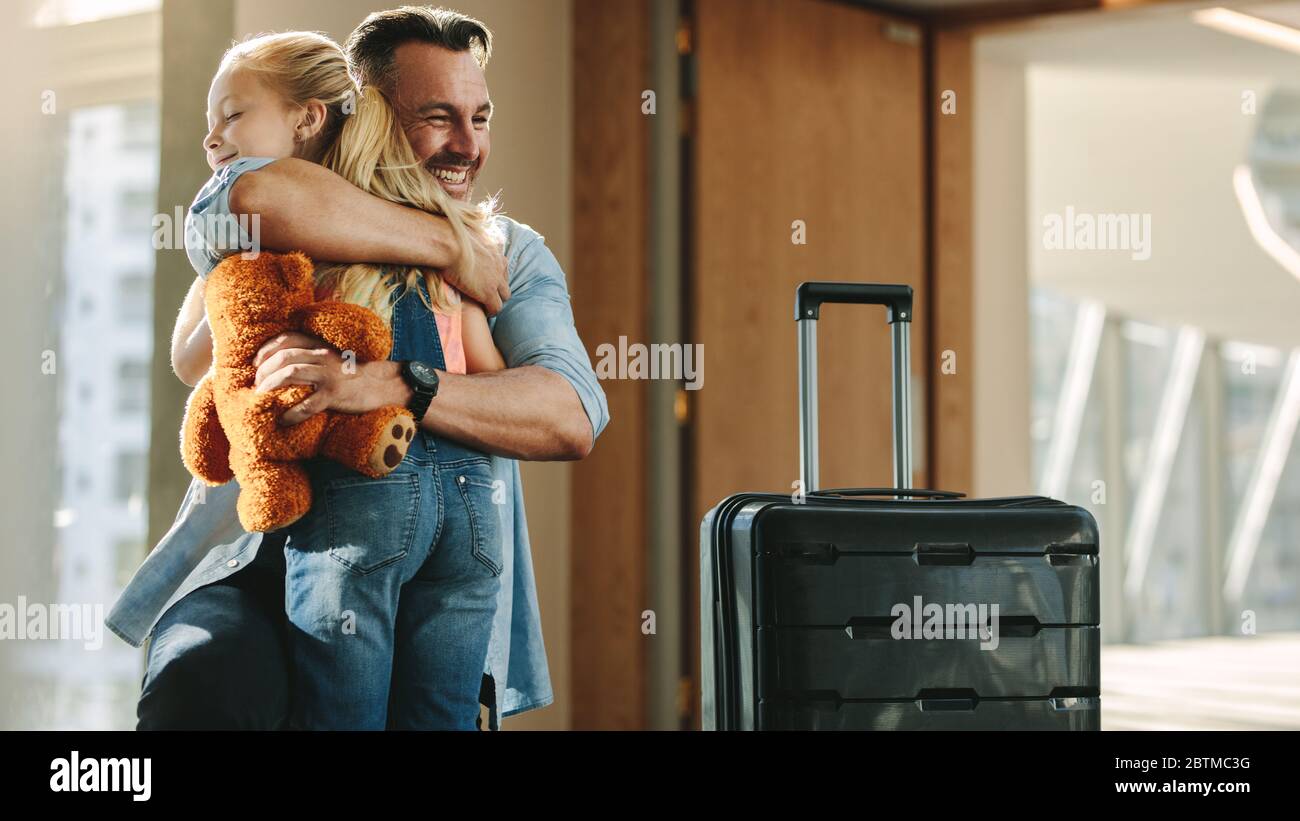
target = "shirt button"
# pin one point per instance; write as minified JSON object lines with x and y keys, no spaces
{"x":233,"y":563}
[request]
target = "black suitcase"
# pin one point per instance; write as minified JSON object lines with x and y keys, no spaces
{"x":817,"y":608}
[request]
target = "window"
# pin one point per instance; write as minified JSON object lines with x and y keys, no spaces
{"x":102,"y":154}
{"x":1251,"y":377}
{"x":129,"y":478}
{"x":128,"y":552}
{"x":133,"y":387}
{"x":1147,"y":353}
{"x":1177,"y":585}
{"x":135,"y":211}
{"x":1165,"y":446}
{"x":1052,"y":324}
{"x":135,"y":299}
{"x":139,"y":128}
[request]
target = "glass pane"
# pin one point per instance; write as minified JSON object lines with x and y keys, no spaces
{"x":1251,"y":377}
{"x":1148,"y":351}
{"x":1174,"y":598}
{"x":1273,"y":586}
{"x":1051,"y":326}
{"x":1089,"y":466}
{"x":105,"y":327}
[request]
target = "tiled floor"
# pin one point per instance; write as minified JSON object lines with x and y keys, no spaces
{"x":1248,"y":683}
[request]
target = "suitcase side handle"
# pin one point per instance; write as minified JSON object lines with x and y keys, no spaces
{"x":809,"y":297}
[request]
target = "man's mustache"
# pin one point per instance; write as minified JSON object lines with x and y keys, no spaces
{"x":447,"y":162}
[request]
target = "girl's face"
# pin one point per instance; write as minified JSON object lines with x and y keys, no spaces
{"x":247,"y":119}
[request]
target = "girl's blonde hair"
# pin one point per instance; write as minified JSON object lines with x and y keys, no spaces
{"x":363,"y":142}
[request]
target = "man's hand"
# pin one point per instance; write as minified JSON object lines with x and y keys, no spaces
{"x":300,"y":359}
{"x":489,"y":285}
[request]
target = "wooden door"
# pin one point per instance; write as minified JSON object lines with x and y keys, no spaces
{"x":808,"y":111}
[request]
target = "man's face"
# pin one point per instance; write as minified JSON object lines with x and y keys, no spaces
{"x":441,"y":97}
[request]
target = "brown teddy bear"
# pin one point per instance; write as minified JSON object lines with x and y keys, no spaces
{"x":231,"y":430}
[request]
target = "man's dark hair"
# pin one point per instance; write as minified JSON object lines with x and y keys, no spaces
{"x":372,"y":45}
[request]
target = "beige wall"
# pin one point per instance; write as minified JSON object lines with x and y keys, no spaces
{"x":1001,"y":281}
{"x":1168,"y":145}
{"x":529,"y":79}
{"x":30,"y":227}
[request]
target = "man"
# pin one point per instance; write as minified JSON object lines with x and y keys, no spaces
{"x":217,"y":655}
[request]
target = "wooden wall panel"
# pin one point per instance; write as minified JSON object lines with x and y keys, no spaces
{"x":951,"y":416}
{"x":806,"y":110}
{"x":610,"y":291}
{"x":611,"y":201}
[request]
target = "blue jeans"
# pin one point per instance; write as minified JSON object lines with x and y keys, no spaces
{"x":218,"y":658}
{"x":390,"y":591}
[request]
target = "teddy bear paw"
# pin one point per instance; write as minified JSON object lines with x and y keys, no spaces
{"x":391,"y":447}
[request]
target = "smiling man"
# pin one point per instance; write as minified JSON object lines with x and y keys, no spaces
{"x":217,"y":616}
{"x":441,"y":97}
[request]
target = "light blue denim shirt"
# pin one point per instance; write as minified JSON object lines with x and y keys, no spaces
{"x":211,"y":230}
{"x":206,"y":543}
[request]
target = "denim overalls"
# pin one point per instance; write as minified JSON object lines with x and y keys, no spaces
{"x":391,"y":584}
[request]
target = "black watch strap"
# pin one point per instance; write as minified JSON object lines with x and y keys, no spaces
{"x":421,"y":378}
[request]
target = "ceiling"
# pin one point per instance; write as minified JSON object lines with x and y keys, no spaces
{"x":925,"y":6}
{"x":1161,"y":37}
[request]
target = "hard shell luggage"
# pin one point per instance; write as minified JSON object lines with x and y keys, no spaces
{"x":818,"y":610}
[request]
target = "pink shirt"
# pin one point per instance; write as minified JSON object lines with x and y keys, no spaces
{"x":449,"y":332}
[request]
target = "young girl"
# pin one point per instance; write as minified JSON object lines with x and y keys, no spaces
{"x":390,"y":584}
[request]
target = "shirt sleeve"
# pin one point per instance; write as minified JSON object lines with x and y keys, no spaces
{"x":211,"y":231}
{"x":535,"y":327}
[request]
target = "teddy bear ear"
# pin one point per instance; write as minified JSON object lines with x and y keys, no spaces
{"x":297,"y":271}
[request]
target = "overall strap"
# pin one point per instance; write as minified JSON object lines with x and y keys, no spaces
{"x":415,"y":331}
{"x":415,"y":336}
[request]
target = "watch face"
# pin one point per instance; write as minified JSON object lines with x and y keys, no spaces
{"x":423,"y":372}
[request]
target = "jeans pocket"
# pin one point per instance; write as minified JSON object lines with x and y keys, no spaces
{"x":484,"y":497}
{"x":372,"y":521}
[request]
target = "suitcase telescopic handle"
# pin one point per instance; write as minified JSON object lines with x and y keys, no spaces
{"x":887,"y":491}
{"x":809,"y":298}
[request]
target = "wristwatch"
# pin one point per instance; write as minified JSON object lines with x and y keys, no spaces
{"x":423,"y":381}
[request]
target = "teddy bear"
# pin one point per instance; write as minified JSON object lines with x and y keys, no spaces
{"x":231,"y":430}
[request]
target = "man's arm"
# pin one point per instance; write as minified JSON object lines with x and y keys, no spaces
{"x":527,"y":412}
{"x":481,"y":354}
{"x":304,"y":206}
{"x":547,"y":405}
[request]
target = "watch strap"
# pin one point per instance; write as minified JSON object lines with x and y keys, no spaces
{"x":421,"y":395}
